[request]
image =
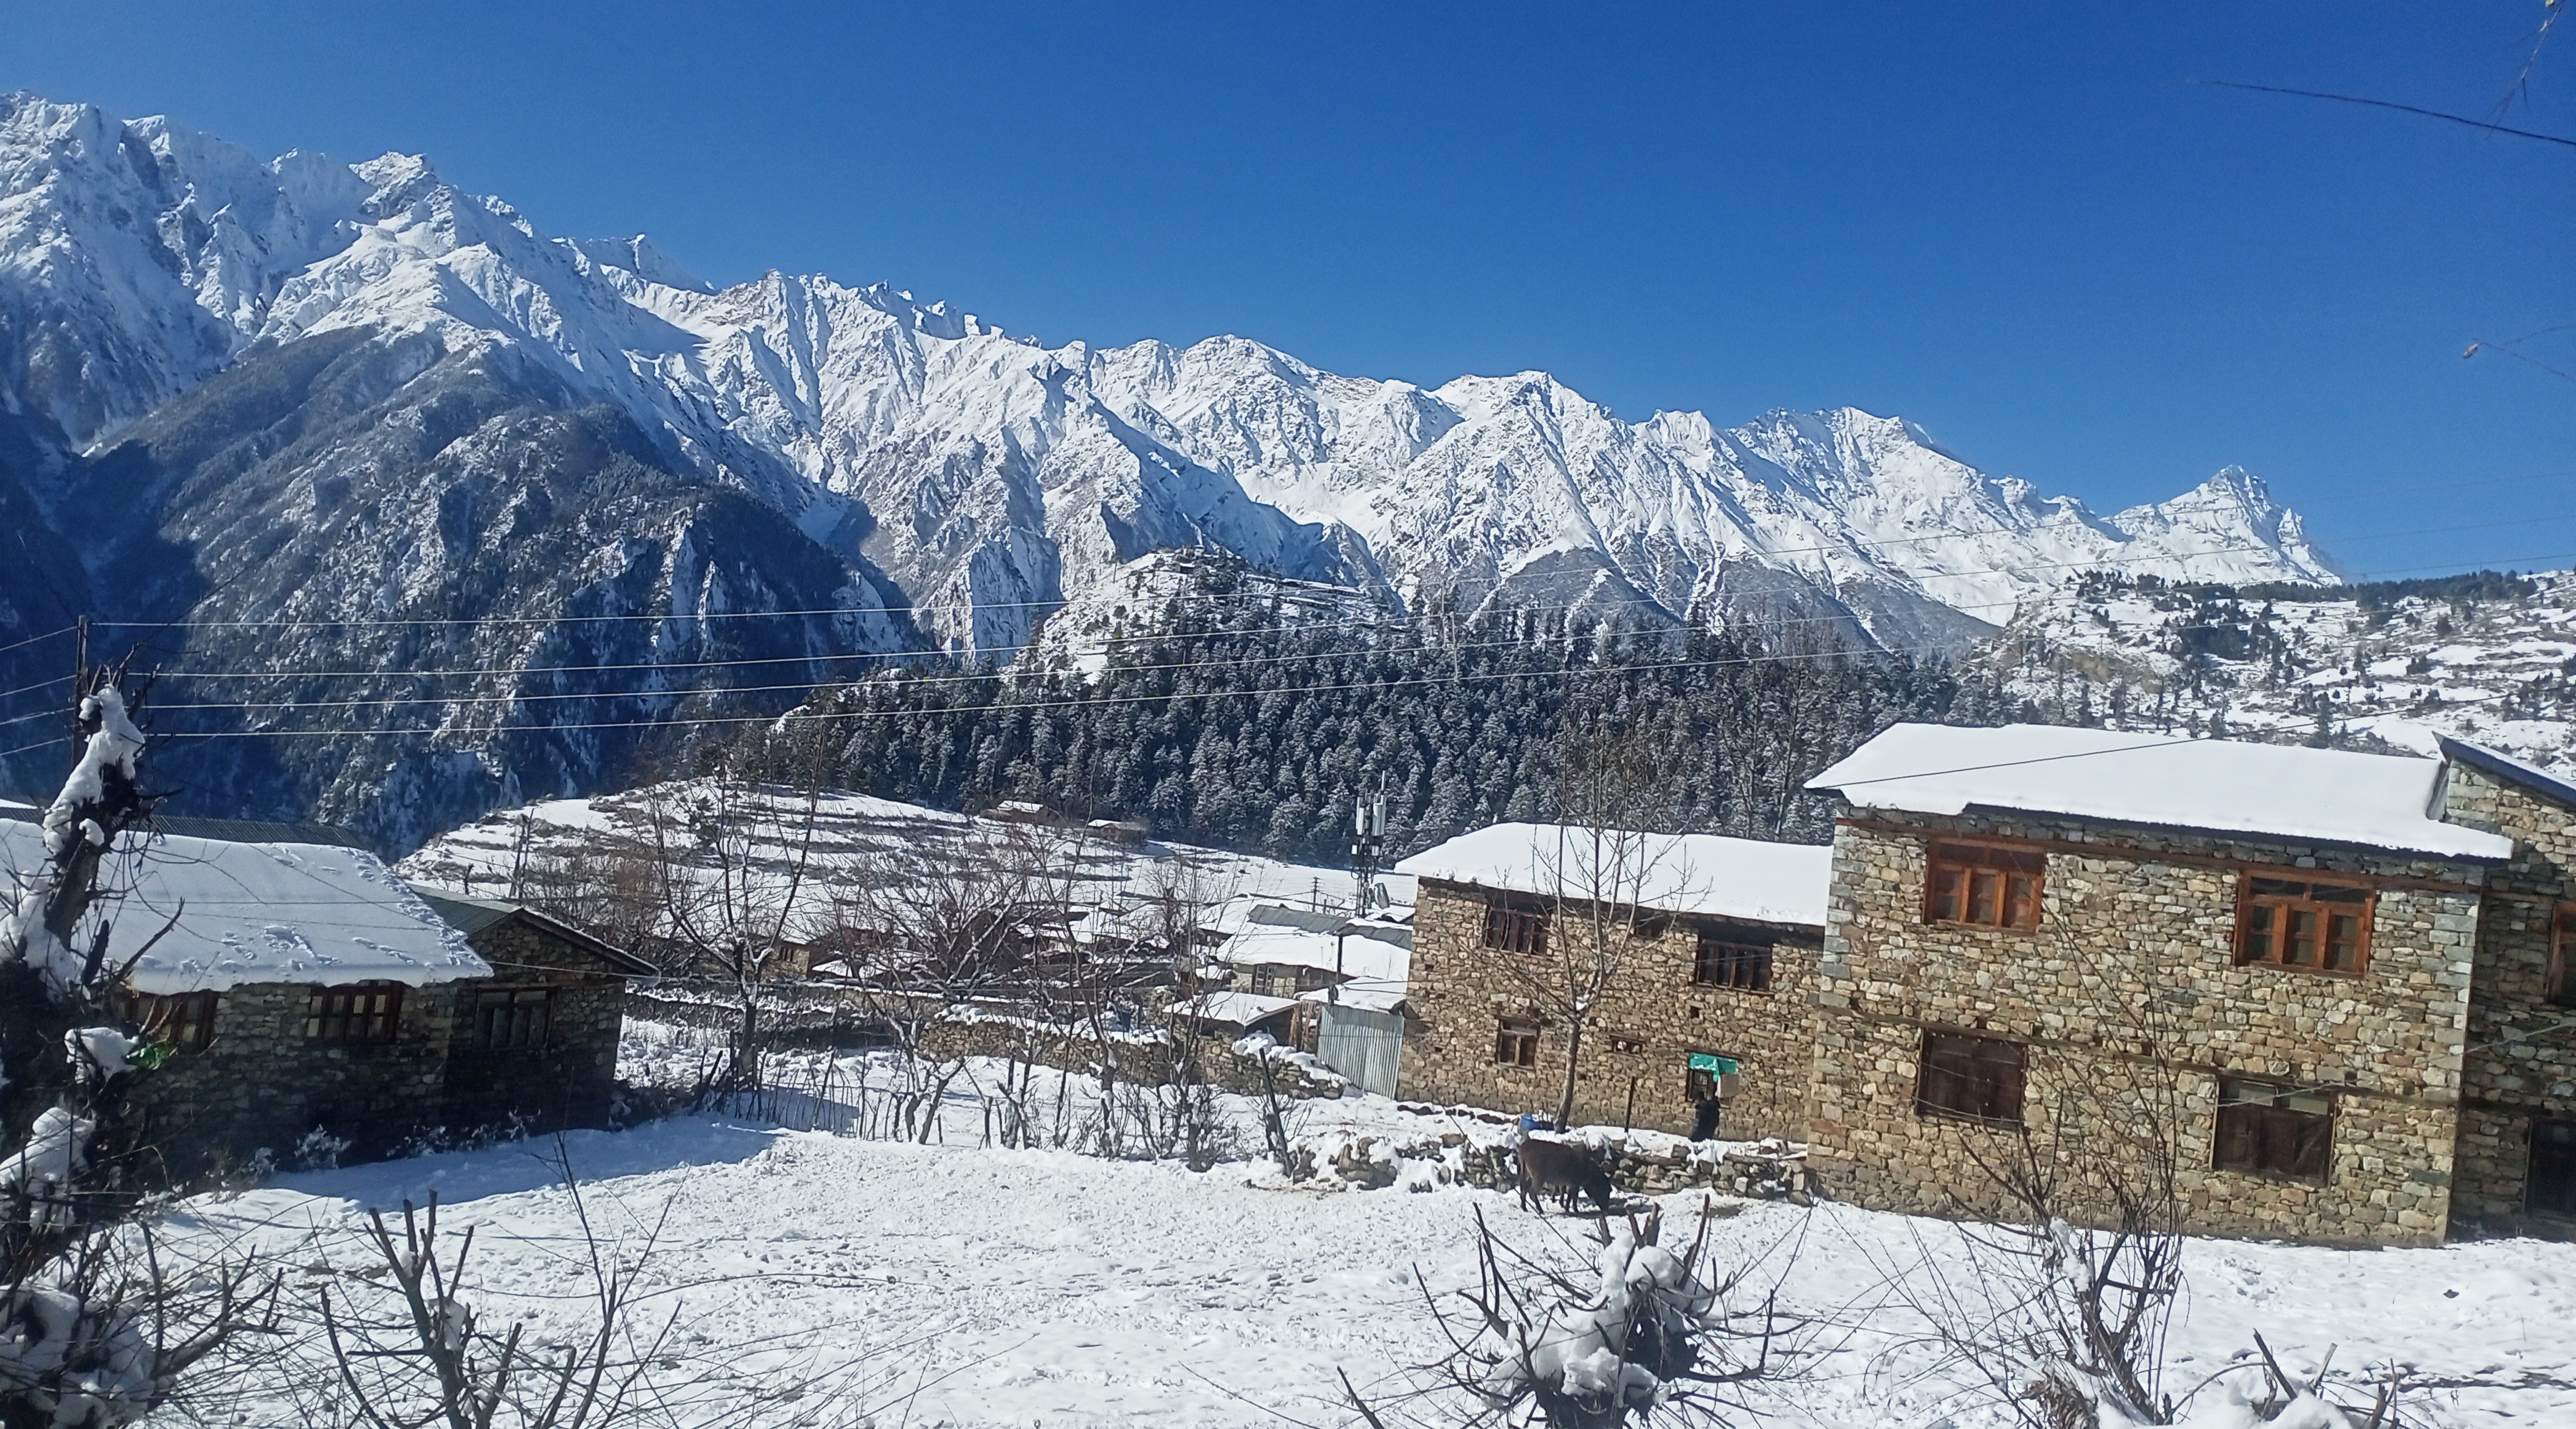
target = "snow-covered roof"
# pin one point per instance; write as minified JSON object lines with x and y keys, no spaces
{"x":2216,"y":785}
{"x":1357,"y":955}
{"x":1705,"y":874}
{"x":263,"y":913}
{"x":1240,"y":1009}
{"x":1362,"y":993}
{"x":1244,"y":910}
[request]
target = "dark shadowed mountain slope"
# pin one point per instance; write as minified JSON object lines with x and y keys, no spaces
{"x":431,"y":551}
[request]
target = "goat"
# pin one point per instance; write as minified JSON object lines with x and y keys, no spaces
{"x":1546,"y":1166}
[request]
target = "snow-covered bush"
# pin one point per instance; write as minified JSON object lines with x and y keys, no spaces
{"x":93,"y":1334}
{"x":318,"y":1150}
{"x":1596,"y":1358}
{"x":1640,"y":1327}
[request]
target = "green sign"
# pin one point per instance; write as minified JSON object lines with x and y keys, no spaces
{"x":1711,"y":1062}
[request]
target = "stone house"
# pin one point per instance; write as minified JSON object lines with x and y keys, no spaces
{"x":2516,"y":1162}
{"x":537,"y":1044}
{"x":2241,"y":970}
{"x":1711,"y":956}
{"x":310,"y":1000}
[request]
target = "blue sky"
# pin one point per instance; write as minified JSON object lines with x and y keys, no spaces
{"x":2016,"y":224}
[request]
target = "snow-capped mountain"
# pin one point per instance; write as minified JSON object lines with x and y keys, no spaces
{"x":239,"y":388}
{"x":996,"y":475}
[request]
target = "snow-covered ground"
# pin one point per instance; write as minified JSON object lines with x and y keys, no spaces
{"x":957,"y":1284}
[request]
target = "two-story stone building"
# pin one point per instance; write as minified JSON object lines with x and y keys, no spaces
{"x":2301,"y":993}
{"x":2516,"y":1163}
{"x":1713,"y":947}
{"x":2237,"y":975}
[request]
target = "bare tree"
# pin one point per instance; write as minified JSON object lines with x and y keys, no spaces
{"x":97,"y":1334}
{"x":1623,"y":1330}
{"x":934,"y":935}
{"x":732,"y":864}
{"x":1185,"y":1112}
{"x":1603,"y":872}
{"x":404,"y":1344}
{"x":611,"y":890}
{"x":430,"y":1360}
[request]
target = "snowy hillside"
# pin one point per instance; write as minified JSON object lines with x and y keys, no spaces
{"x":993,"y":477}
{"x":2488,"y":660}
{"x":840,"y":840}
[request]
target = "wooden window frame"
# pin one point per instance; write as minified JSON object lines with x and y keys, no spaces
{"x":2257,"y":1134}
{"x":2560,"y":990}
{"x":1955,"y":1078}
{"x":361,"y":1014}
{"x":1962,"y":875}
{"x":1734,"y":963}
{"x":2531,"y":1202}
{"x":1516,"y":1042}
{"x":1514,"y":925}
{"x":2267,"y":920}
{"x":502,"y":1020}
{"x":187,"y":1019}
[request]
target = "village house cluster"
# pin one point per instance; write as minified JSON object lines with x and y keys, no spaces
{"x":2300,"y":993}
{"x":2306,"y":994}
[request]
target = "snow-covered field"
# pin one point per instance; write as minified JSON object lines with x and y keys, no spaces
{"x":829,"y":1280}
{"x":841,"y":840}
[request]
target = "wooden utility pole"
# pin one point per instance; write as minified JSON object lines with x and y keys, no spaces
{"x":80,"y":675}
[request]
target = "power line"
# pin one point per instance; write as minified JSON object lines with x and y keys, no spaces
{"x":2489,"y":125}
{"x":1293,"y":587}
{"x":1076,"y":703}
{"x":955,"y":678}
{"x":667,"y":721}
{"x":32,"y":639}
{"x":289,"y":672}
{"x":40,"y":684}
{"x":1397,"y":683}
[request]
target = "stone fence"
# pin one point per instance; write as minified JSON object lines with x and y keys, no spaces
{"x":1651,"y":1165}
{"x":825,"y":1021}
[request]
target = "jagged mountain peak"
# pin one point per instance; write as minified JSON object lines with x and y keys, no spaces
{"x":642,"y":257}
{"x":989,"y":472}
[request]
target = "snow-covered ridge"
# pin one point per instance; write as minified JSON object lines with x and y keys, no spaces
{"x":2498,"y":669}
{"x":995,"y":478}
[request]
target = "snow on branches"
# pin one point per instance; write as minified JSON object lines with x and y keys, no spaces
{"x":97,"y":798}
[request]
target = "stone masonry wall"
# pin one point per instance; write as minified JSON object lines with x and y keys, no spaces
{"x":567,"y":1083}
{"x":2130,"y":1003}
{"x":260,"y":1085}
{"x":1638,"y":1040}
{"x":2522,"y":1049}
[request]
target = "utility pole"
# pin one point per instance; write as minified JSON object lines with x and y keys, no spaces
{"x":1368,"y":847}
{"x":80,"y":674}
